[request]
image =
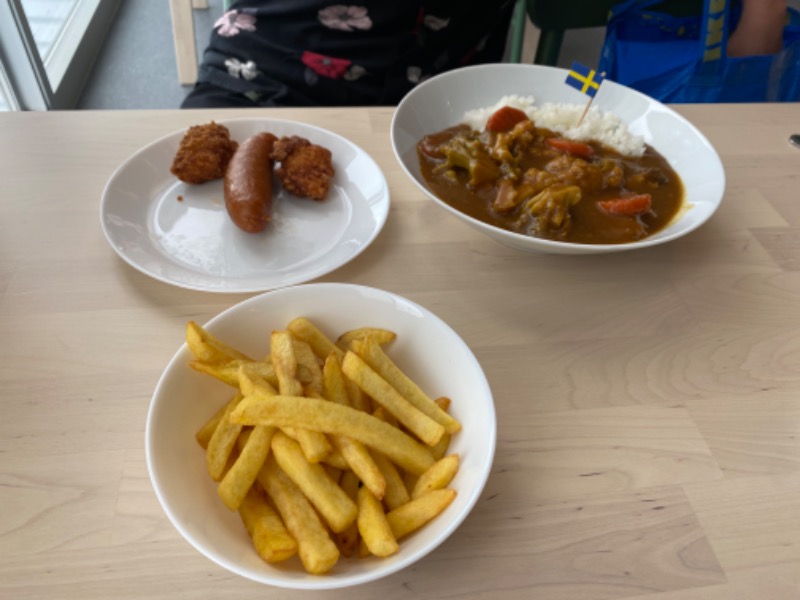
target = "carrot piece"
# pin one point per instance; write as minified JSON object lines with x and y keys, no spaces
{"x":574,"y":148}
{"x":631,"y":206}
{"x":504,"y":119}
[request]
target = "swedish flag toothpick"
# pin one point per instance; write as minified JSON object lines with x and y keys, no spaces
{"x":585,"y":80}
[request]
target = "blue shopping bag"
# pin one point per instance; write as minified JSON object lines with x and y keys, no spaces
{"x":683,"y":59}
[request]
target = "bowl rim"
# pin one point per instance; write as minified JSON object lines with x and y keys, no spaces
{"x":326,"y":581}
{"x":543,"y":243}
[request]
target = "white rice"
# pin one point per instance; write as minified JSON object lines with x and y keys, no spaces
{"x":604,"y":127}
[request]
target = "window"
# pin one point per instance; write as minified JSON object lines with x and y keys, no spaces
{"x":47,"y":49}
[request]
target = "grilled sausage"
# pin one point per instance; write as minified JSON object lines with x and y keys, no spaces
{"x":248,"y":183}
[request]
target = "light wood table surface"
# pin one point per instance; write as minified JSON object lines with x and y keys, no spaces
{"x":648,"y":402}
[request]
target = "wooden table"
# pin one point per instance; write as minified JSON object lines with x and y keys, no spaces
{"x":648,"y":402}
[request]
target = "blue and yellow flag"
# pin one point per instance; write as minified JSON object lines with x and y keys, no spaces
{"x":584,"y":79}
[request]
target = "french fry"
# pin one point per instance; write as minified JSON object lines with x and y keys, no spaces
{"x":315,"y":445}
{"x":321,"y":415}
{"x":374,"y":356}
{"x":437,"y":477}
{"x":413,"y":515}
{"x":381,"y":336}
{"x":225,"y":372}
{"x":249,"y":378}
{"x":284,"y":362}
{"x":335,"y":507}
{"x":348,"y":540}
{"x":208,"y":348}
{"x":335,"y":460}
{"x":417,"y":422}
{"x":439,"y":450}
{"x":240,"y":477}
{"x":317,"y":551}
{"x":354,"y":452}
{"x":374,"y":526}
{"x":305,"y":330}
{"x":396,"y":493}
{"x":307,"y":361}
{"x":204,"y":434}
{"x":222,"y":441}
{"x":358,"y":399}
{"x":269,"y":535}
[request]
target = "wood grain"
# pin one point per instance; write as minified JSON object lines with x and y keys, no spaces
{"x":647,"y":402}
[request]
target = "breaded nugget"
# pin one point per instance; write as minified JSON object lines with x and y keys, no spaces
{"x":305,"y":168}
{"x":203,"y":154}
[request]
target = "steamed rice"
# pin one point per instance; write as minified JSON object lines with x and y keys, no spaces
{"x":597,"y":125}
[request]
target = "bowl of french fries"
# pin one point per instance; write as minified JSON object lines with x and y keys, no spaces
{"x":320,"y":436}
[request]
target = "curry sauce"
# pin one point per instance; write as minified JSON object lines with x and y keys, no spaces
{"x":531,"y":181}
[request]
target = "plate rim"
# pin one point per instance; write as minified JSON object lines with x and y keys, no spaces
{"x":380,"y":210}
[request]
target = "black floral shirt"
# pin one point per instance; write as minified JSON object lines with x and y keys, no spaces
{"x":311,"y":53}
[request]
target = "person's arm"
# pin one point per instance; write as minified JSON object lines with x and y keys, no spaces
{"x":760,"y":29}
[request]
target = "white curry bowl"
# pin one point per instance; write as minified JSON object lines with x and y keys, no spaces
{"x":442,"y":101}
{"x":426,"y":349}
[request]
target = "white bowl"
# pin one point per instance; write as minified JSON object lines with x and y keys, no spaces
{"x":426,"y":348}
{"x":441,"y":102}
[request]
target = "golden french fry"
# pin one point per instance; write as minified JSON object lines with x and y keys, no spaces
{"x":380,"y":413}
{"x":334,"y":459}
{"x":207,"y":348}
{"x":317,"y":551}
{"x":228,"y":372}
{"x":374,"y":526}
{"x":437,"y":477}
{"x":381,"y":336}
{"x":240,"y":477}
{"x":225,"y":372}
{"x":417,"y":422}
{"x":347,"y":540}
{"x":439,"y":450}
{"x":285,"y":363}
{"x":268,"y":533}
{"x":354,"y":452}
{"x":305,"y":330}
{"x":360,"y":461}
{"x":249,"y":377}
{"x":414,"y":514}
{"x":410,"y":480}
{"x":204,"y":434}
{"x":222,"y":441}
{"x":307,"y":362}
{"x":358,"y":399}
{"x":374,"y":356}
{"x":396,"y":493}
{"x":333,"y":473}
{"x":324,"y":416}
{"x":315,"y":445}
{"x":333,"y":505}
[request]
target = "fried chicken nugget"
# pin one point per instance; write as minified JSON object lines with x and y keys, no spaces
{"x":305,"y":168}
{"x":204,"y":153}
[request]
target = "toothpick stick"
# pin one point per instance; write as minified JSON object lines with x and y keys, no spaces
{"x":591,"y":99}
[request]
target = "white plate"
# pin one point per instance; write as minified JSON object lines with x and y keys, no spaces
{"x":426,"y":348}
{"x":441,"y":102}
{"x":193,"y":244}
